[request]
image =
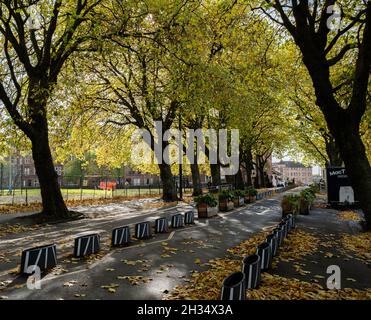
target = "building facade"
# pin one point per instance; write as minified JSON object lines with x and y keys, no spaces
{"x":294,"y":171}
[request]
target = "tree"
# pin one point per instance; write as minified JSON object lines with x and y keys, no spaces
{"x":34,"y":54}
{"x":322,"y":49}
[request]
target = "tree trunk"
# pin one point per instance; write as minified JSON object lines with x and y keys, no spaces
{"x":196,"y":180}
{"x":169,"y":192}
{"x":333,"y":154}
{"x":215,"y":174}
{"x":358,"y":168}
{"x":239,"y":180}
{"x":52,"y":199}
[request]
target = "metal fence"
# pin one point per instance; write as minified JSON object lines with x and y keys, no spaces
{"x":25,"y":190}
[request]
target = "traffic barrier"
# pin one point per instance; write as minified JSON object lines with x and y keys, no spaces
{"x":251,"y":267}
{"x":233,"y":287}
{"x":86,"y":245}
{"x":120,"y":236}
{"x":44,"y":257}
{"x":161,"y":225}
{"x":143,"y":230}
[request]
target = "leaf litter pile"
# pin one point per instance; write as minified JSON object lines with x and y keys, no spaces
{"x":349,"y":216}
{"x":359,"y":244}
{"x":206,"y":285}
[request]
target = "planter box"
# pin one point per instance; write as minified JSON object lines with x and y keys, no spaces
{"x":225,"y":205}
{"x":238,"y":202}
{"x":304,"y":207}
{"x":204,"y":211}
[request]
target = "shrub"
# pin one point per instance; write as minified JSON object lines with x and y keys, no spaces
{"x":226,"y":195}
{"x":208,"y":199}
{"x":251,"y":191}
{"x":308,"y":195}
{"x":239,"y":193}
{"x":290,"y":204}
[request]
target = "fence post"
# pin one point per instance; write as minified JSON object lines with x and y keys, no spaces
{"x":1,"y":178}
{"x":26,"y":196}
{"x":105,"y":190}
{"x":13,"y":197}
{"x":139,"y":191}
{"x":80,"y":188}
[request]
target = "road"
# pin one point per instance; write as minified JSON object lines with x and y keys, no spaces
{"x":162,"y":262}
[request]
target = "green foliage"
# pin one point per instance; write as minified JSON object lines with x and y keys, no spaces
{"x":251,"y":191}
{"x":308,"y":195}
{"x":207,"y":198}
{"x":226,"y":195}
{"x":239,"y":193}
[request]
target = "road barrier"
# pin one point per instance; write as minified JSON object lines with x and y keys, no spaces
{"x":189,"y":217}
{"x":86,"y":245}
{"x":161,"y":225}
{"x":177,"y":221}
{"x":143,"y":230}
{"x":251,"y":267}
{"x":120,"y":236}
{"x":273,"y":242}
{"x":233,"y":287}
{"x":265,"y":253}
{"x":44,"y":257}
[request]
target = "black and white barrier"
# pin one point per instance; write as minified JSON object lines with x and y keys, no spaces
{"x":177,"y":221}
{"x":251,"y":267}
{"x":273,"y":242}
{"x":120,"y":236}
{"x":288,"y":219}
{"x":161,"y":225}
{"x":143,"y":230}
{"x":233,"y":287}
{"x":292,"y":221}
{"x":189,"y":217}
{"x":284,"y":225}
{"x":86,"y":245}
{"x":44,"y":257}
{"x":278,"y":232}
{"x":265,"y":253}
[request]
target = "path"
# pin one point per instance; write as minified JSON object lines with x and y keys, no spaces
{"x":162,"y":262}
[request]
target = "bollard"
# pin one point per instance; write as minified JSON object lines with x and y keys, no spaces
{"x":45,"y":257}
{"x":86,"y":245}
{"x":273,"y":242}
{"x":120,"y":236}
{"x":251,"y":267}
{"x":143,"y":230}
{"x":265,"y":253}
{"x":278,"y":231}
{"x":161,"y":225}
{"x":189,"y":217}
{"x":233,"y":287}
{"x":177,"y":221}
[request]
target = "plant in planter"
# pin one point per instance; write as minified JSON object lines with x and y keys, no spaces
{"x":239,"y":199}
{"x":226,"y":198}
{"x":207,"y":205}
{"x":251,"y":193}
{"x":290,"y":204}
{"x":307,"y":197}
